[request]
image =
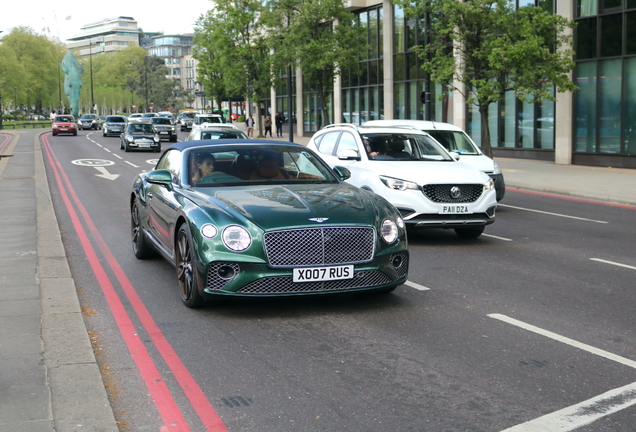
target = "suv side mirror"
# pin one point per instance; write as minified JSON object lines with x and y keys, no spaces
{"x":348,"y":154}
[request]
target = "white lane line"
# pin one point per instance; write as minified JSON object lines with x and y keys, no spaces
{"x":108,"y":150}
{"x":497,"y":237}
{"x":552,"y":214}
{"x":117,"y":156}
{"x":416,"y":286}
{"x":581,"y":414}
{"x":131,"y":164}
{"x":565,"y":340}
{"x":613,"y":263}
{"x":98,"y":144}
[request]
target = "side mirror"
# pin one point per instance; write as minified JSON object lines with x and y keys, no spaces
{"x":455,"y":155}
{"x":342,"y":172}
{"x":348,"y":154}
{"x":160,"y":177}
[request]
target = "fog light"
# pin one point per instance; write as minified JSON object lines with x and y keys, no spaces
{"x":397,"y":261}
{"x":226,"y":272}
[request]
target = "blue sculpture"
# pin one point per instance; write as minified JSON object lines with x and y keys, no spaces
{"x":72,"y":81}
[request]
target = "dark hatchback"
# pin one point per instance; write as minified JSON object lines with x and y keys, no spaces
{"x":140,"y":136}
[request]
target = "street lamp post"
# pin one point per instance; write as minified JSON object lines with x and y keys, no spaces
{"x":15,"y":101}
{"x":59,"y":86}
{"x":90,"y":56}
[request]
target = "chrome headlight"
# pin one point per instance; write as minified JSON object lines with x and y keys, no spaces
{"x":489,"y":185}
{"x":236,"y":238}
{"x":130,"y":139}
{"x":389,"y":231}
{"x":400,"y":222}
{"x":397,"y":184}
{"x":156,"y":138}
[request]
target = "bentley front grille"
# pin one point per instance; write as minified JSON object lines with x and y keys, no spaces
{"x":453,"y":193}
{"x":319,"y":246}
{"x":285,"y":284}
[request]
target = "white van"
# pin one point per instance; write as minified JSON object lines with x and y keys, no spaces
{"x":454,"y":139}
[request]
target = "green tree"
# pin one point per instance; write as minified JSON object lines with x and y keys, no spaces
{"x":320,"y":36}
{"x":497,"y":49}
{"x":38,"y":58}
{"x":233,"y":38}
{"x":11,"y":72}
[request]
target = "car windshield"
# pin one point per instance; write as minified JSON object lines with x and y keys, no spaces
{"x":188,"y":115}
{"x":208,"y":119}
{"x":454,"y":141}
{"x":141,"y":128}
{"x":64,"y":119}
{"x":88,"y":117}
{"x":222,"y":135}
{"x":403,"y":147}
{"x":161,"y":120}
{"x":115,"y":120}
{"x":239,"y":165}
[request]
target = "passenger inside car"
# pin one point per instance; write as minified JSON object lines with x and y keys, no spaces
{"x":269,"y":169}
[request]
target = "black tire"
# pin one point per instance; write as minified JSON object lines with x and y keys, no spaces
{"x":469,"y":233}
{"x":121,"y":145}
{"x":104,"y":135}
{"x":75,"y":133}
{"x":126,"y":148}
{"x":54,"y":134}
{"x":158,"y":149}
{"x":186,"y":267}
{"x":141,"y":248}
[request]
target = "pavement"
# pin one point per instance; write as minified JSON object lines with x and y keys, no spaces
{"x":49,"y":378}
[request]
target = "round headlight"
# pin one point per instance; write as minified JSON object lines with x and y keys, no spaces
{"x":209,"y":231}
{"x":389,"y":231}
{"x":236,"y":238}
{"x":400,"y":222}
{"x":130,"y":139}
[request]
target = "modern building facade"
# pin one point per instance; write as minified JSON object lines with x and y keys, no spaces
{"x":107,"y":35}
{"x":595,"y":125}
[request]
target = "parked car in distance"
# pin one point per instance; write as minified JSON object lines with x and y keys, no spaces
{"x":414,"y":172}
{"x":220,"y":131}
{"x":64,"y":125}
{"x":140,"y":135}
{"x":286,"y":229}
{"x":165,"y":128}
{"x":89,"y":121}
{"x":455,"y":140}
{"x":113,"y":125}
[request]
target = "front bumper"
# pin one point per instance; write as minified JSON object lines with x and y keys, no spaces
{"x":260,"y":280}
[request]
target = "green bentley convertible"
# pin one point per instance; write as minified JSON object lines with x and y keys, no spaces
{"x":253,"y":218}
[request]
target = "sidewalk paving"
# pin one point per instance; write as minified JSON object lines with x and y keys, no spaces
{"x":49,"y":379}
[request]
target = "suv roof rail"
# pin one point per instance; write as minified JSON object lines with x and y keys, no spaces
{"x":409,"y":127}
{"x":351,"y":125}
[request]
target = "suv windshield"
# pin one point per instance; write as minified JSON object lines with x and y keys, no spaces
{"x":115,"y":120}
{"x":454,"y":141}
{"x":409,"y":147}
{"x":161,"y":120}
{"x":88,"y":116}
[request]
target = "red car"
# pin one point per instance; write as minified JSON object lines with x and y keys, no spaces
{"x":64,"y":124}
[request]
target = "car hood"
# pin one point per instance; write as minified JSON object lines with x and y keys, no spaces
{"x":64,"y":124}
{"x":423,"y":172}
{"x":481,"y":162}
{"x":285,"y":206}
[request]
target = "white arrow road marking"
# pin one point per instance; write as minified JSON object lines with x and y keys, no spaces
{"x":105,"y":174}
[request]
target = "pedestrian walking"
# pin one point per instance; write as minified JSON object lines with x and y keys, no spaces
{"x":249,"y":123}
{"x":268,"y":126}
{"x":278,"y":119}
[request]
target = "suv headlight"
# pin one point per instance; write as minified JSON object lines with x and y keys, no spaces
{"x":496,"y":169}
{"x":388,"y":231}
{"x":236,"y":238}
{"x":397,"y":184}
{"x":489,"y":185}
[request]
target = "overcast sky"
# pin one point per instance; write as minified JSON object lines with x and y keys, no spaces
{"x":50,"y":17}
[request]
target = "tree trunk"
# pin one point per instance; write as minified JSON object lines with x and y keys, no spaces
{"x":485,"y":132}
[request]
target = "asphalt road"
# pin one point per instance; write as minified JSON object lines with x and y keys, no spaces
{"x":492,"y":334}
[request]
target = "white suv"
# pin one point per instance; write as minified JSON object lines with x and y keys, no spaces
{"x":455,"y":140}
{"x":409,"y":168}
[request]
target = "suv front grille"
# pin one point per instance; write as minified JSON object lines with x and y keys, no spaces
{"x":441,"y":193}
{"x":319,"y":246}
